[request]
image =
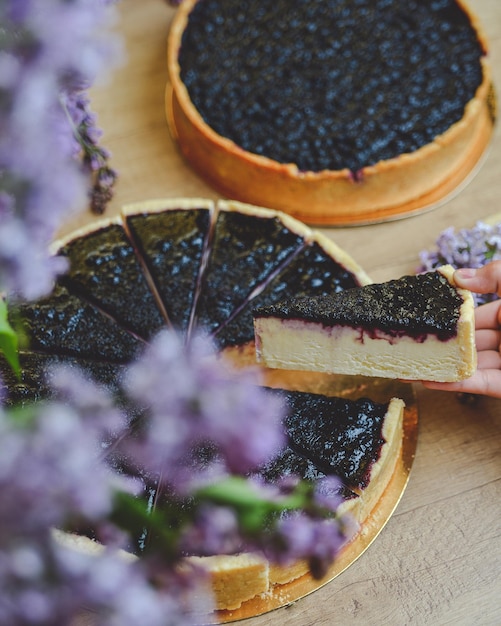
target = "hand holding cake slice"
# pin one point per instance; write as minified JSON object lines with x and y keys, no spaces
{"x":414,"y":328}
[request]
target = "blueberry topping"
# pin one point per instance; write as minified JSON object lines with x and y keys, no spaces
{"x":330,"y":84}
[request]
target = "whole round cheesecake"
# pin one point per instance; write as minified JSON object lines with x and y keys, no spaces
{"x":189,"y":264}
{"x":334,"y":111}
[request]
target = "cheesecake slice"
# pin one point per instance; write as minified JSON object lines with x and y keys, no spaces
{"x":416,"y":328}
{"x":248,"y":245}
{"x":105,"y":270}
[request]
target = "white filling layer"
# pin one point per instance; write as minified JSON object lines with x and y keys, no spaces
{"x":300,"y":345}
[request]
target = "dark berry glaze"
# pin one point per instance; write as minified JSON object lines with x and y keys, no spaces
{"x":337,"y":436}
{"x":172,"y":243}
{"x":330,"y":84}
{"x":64,"y":324}
{"x":105,"y":270}
{"x":415,"y":306}
{"x":312,"y":272}
{"x":290,"y":464}
{"x":245,"y":251}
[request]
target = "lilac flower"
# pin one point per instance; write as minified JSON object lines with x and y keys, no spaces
{"x":95,"y":405}
{"x":47,"y":583}
{"x":192,"y":399}
{"x":48,"y":52}
{"x":122,"y":593}
{"x":51,"y":474}
{"x":316,"y":540}
{"x":198,"y":411}
{"x":25,"y":265}
{"x":472,"y":247}
{"x":213,"y":530}
{"x":312,"y":531}
{"x":49,"y":471}
{"x":94,"y":157}
{"x":286,"y":521}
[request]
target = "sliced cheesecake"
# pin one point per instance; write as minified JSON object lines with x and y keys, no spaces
{"x":416,"y":328}
{"x":184,"y":261}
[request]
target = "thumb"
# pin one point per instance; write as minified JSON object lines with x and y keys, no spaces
{"x":486,"y":279}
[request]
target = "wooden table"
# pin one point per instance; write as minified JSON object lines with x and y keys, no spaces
{"x":438,"y":560}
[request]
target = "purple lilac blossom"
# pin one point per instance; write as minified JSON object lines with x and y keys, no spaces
{"x":213,"y":530}
{"x":49,"y":582}
{"x":51,"y":474}
{"x":95,"y":405}
{"x":193,"y":399}
{"x":50,"y":455}
{"x":48,"y":49}
{"x":49,"y":470}
{"x":473,"y":247}
{"x":316,"y":540}
{"x":314,"y":532}
{"x":93,"y":156}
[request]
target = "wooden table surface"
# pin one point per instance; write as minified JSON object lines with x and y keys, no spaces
{"x":438,"y":560}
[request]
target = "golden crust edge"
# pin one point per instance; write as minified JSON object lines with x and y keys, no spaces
{"x":466,"y":326}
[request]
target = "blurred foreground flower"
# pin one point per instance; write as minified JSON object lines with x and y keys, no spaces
{"x":171,"y":476}
{"x":50,"y":52}
{"x":472,"y":247}
{"x":175,"y":476}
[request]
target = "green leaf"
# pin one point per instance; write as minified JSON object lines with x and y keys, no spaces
{"x":8,"y":340}
{"x":160,"y":527}
{"x":254,"y":510}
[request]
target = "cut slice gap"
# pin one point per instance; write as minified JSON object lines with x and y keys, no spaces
{"x":104,"y":269}
{"x":319,"y":268}
{"x":170,"y":238}
{"x":247,"y":246}
{"x":65,"y":324}
{"x":226,"y":327}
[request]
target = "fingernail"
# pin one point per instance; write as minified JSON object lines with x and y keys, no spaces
{"x":466,"y":272}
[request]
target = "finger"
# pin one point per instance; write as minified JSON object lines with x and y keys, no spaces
{"x":486,"y":279}
{"x":485,"y":382}
{"x":488,"y":315}
{"x":489,"y":360}
{"x":487,"y":339}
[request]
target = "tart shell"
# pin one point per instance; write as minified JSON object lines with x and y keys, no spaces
{"x":387,"y":190}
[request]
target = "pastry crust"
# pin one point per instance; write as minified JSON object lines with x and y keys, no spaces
{"x":466,"y":327}
{"x":387,"y":189}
